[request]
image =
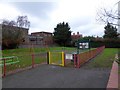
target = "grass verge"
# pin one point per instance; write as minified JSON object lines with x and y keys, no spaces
{"x":104,"y":60}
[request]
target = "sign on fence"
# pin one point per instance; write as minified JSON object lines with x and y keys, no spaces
{"x":83,"y":45}
{"x":69,"y":56}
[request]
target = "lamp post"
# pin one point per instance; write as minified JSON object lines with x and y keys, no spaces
{"x":89,"y":44}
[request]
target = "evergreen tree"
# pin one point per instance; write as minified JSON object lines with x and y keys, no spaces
{"x":110,"y":31}
{"x":62,"y":34}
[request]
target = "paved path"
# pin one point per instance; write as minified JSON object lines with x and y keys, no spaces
{"x":49,"y":76}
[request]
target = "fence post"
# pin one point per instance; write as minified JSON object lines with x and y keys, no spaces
{"x":78,"y":61}
{"x":75,"y":60}
{"x":49,"y":54}
{"x":32,"y":60}
{"x":63,"y":59}
{"x":47,"y":57}
{"x":4,"y":68}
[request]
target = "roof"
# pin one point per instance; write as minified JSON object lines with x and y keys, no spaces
{"x":41,"y":32}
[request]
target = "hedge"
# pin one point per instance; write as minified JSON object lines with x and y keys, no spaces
{"x":108,"y":43}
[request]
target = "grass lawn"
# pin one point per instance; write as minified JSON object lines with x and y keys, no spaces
{"x":105,"y":59}
{"x":25,"y":55}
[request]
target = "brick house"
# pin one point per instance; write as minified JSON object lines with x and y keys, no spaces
{"x":76,"y":36}
{"x":36,"y":38}
{"x":41,"y":38}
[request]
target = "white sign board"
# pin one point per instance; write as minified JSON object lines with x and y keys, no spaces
{"x":84,"y":45}
{"x":69,"y":56}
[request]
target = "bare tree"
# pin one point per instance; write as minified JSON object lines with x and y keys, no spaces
{"x":22,"y":21}
{"x":5,"y":22}
{"x":109,"y":16}
{"x":12,"y":23}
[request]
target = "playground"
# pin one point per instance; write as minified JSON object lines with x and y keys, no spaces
{"x":65,"y":58}
{"x":55,"y":72}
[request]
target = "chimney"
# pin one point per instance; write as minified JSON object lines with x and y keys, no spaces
{"x":73,"y":33}
{"x":77,"y":33}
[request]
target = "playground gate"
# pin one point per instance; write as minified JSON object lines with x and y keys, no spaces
{"x":56,"y":58}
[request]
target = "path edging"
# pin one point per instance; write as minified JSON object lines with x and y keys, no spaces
{"x":113,"y":78}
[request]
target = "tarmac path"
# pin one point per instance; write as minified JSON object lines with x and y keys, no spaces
{"x":50,"y":76}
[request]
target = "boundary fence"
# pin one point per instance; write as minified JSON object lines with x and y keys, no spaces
{"x":28,"y":61}
{"x":84,"y":57}
{"x":73,"y":59}
{"x":13,"y":64}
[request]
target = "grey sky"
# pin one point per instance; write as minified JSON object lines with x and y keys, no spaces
{"x":44,"y":16}
{"x":39,"y":9}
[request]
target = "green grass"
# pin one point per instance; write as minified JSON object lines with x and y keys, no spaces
{"x":56,"y":58}
{"x":25,"y":57}
{"x":23,"y":51}
{"x":105,"y":59}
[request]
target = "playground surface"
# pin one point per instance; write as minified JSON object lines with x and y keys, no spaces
{"x":51,"y":76}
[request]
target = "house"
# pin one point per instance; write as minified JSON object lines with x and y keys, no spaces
{"x":43,"y":34}
{"x":41,"y":38}
{"x":35,"y":40}
{"x":76,"y":36}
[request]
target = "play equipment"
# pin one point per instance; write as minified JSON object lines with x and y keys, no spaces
{"x":9,"y":60}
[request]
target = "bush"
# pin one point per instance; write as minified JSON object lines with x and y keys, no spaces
{"x":12,"y":36}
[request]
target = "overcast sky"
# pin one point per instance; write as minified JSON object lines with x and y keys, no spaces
{"x":46,"y":14}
